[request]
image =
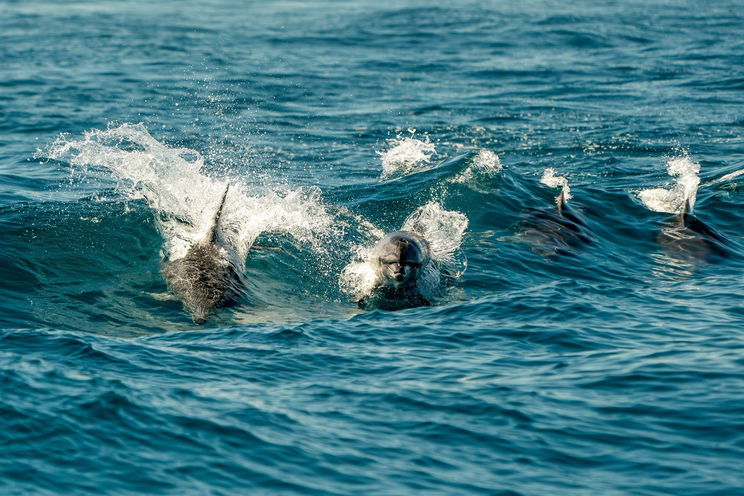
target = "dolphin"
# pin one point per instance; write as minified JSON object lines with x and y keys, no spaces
{"x":205,"y":278}
{"x":398,"y":259}
{"x":688,"y":239}
{"x":556,"y":231}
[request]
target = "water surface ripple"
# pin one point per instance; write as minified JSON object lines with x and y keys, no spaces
{"x":596,"y":351}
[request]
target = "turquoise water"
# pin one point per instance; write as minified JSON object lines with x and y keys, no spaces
{"x":596,"y":351}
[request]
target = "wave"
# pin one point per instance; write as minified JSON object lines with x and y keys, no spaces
{"x":406,"y":154}
{"x":177,"y":186}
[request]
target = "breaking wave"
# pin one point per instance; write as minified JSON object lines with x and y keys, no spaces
{"x":406,"y":154}
{"x":183,"y":194}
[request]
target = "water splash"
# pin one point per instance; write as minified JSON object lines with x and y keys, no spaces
{"x":359,"y":277}
{"x":684,"y":191}
{"x":443,"y":229}
{"x":485,"y":164}
{"x":183,"y":197}
{"x":487,"y":160}
{"x":550,"y":179}
{"x":406,"y":155}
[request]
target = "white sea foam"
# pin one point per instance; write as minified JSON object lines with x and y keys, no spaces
{"x":550,"y":179}
{"x":443,"y":229}
{"x":184,"y":198}
{"x":684,"y":189}
{"x":484,"y":164}
{"x":358,"y":278}
{"x":406,"y":154}
{"x":487,"y":160}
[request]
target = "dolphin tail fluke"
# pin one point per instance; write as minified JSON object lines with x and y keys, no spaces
{"x":212,"y":233}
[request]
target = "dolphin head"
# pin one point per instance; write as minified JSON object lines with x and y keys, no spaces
{"x":399,"y":259}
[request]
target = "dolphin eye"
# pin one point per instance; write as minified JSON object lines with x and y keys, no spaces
{"x":415,"y":265}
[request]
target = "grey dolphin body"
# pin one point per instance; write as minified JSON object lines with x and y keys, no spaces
{"x":687,"y":239}
{"x":554,"y":232}
{"x":399,"y":260}
{"x":205,"y":278}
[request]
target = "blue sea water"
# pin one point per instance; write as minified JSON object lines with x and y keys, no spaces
{"x":596,"y":352}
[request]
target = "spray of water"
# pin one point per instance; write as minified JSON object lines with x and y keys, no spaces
{"x":552,"y":180}
{"x":183,"y":197}
{"x":684,"y":190}
{"x":485,"y":164}
{"x":406,"y":154}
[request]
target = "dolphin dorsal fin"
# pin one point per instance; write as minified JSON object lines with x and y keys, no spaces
{"x":686,"y":212}
{"x":212,"y":232}
{"x":561,"y":202}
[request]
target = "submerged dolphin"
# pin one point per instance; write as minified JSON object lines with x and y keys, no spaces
{"x":554,"y":232}
{"x":205,"y":278}
{"x":399,"y":259}
{"x":687,"y":239}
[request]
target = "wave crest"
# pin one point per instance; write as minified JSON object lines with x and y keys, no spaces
{"x":183,"y":196}
{"x":406,"y":155}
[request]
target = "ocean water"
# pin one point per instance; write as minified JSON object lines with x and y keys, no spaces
{"x":598,"y":350}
